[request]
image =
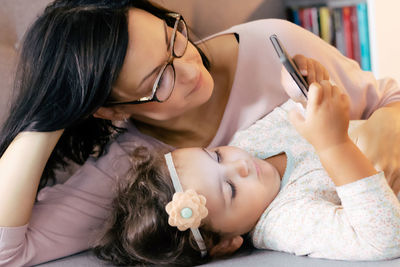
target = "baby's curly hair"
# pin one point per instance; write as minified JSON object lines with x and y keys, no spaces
{"x":137,"y":231}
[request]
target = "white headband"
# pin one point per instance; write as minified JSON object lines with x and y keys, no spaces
{"x":178,"y":188}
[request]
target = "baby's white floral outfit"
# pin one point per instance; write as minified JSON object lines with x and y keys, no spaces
{"x":310,"y":215}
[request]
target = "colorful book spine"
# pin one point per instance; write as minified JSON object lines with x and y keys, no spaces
{"x":347,"y":30}
{"x":325,"y":24}
{"x":354,"y":34}
{"x":306,"y":20}
{"x":344,"y":27}
{"x":314,"y":20}
{"x":362,"y":15}
{"x":296,"y":18}
{"x":301,"y":18}
{"x":339,"y":32}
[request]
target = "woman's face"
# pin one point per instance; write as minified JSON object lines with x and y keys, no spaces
{"x":237,"y":186}
{"x":147,"y":52}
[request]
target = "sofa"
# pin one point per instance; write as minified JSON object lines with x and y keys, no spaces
{"x":204,"y":17}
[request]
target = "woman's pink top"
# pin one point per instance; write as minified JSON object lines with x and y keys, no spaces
{"x":66,"y":216}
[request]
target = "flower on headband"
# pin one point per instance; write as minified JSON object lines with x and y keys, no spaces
{"x":186,"y":210}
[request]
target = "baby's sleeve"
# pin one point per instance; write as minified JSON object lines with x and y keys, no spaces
{"x":365,"y":227}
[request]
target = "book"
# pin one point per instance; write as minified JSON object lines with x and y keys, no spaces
{"x":345,"y":27}
{"x":293,"y":16}
{"x":348,"y":39}
{"x":301,"y":17}
{"x":305,"y":19}
{"x":325,"y":24}
{"x":314,"y":20}
{"x":339,"y":41}
{"x":363,"y":32}
{"x":354,"y":34}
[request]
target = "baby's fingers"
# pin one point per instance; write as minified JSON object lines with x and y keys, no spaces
{"x":345,"y":100}
{"x":328,"y":89}
{"x":338,"y":94}
{"x":315,"y":95}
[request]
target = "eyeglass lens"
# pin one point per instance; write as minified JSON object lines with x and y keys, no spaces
{"x":180,"y":39}
{"x":166,"y":82}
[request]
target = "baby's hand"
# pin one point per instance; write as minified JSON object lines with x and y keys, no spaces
{"x":327,"y":116}
{"x":311,"y":69}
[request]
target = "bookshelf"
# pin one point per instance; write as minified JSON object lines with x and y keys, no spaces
{"x":383,"y":30}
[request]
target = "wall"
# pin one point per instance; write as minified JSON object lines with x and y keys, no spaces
{"x":211,"y":16}
{"x":385,"y":37}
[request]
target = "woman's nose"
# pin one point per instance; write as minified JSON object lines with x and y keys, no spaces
{"x":241,"y":168}
{"x":186,"y":70}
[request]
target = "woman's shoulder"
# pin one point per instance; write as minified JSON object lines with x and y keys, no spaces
{"x":255,"y":27}
{"x":262,"y":25}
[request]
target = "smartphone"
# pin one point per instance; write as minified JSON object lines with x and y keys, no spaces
{"x":289,"y":65}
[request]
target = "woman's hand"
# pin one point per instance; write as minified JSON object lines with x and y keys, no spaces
{"x":379,"y":139}
{"x":311,"y":69}
{"x":327,"y":116}
{"x":313,"y":72}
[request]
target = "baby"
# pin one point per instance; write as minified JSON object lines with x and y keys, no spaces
{"x":312,"y":194}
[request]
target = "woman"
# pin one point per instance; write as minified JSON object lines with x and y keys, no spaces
{"x":85,"y":62}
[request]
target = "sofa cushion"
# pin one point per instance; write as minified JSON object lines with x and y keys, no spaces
{"x":252,"y":258}
{"x":7,"y":64}
{"x":15,"y":16}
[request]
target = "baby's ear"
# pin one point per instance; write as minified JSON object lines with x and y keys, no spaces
{"x":226,"y":246}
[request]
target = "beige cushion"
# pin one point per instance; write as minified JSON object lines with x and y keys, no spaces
{"x":206,"y":17}
{"x":7,"y":63}
{"x":15,"y":16}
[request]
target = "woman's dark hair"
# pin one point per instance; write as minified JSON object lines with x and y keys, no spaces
{"x":137,"y":230}
{"x":70,"y":58}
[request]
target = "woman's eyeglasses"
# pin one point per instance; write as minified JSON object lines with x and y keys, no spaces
{"x":165,"y":81}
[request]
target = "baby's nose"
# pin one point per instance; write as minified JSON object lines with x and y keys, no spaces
{"x":242,"y":168}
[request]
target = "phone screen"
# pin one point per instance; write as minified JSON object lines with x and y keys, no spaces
{"x":289,"y":65}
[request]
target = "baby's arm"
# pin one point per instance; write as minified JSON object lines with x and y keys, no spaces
{"x":378,"y":138}
{"x":364,"y":227}
{"x":369,"y":217}
{"x":325,"y":127}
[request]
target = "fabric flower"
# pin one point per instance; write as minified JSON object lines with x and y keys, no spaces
{"x":186,"y":210}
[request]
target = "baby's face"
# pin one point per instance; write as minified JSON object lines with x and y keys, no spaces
{"x":237,"y":186}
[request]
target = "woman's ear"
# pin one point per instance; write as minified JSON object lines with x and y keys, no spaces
{"x":111,"y":113}
{"x":226,"y":246}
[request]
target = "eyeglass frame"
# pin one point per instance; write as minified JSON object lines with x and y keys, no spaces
{"x":153,"y":98}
